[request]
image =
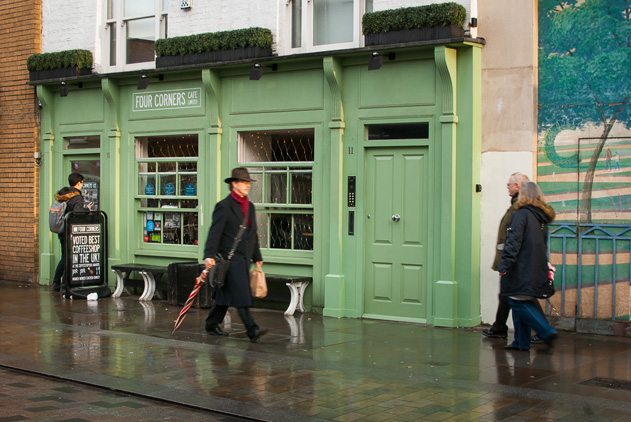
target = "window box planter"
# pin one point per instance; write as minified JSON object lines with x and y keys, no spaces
{"x":225,"y":46}
{"x":64,"y":72}
{"x":214,"y":56}
{"x":408,"y":24}
{"x":416,"y":34}
{"x":59,"y":65}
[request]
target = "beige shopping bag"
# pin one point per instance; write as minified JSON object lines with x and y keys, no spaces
{"x":258,"y":285}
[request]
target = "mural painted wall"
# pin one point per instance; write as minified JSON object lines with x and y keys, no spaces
{"x":584,"y":150}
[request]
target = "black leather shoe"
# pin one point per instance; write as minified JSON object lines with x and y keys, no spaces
{"x":55,"y":287}
{"x":493,"y":334}
{"x":216,"y":331}
{"x":258,"y":333}
{"x":549,"y":343}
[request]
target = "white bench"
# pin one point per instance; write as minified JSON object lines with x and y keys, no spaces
{"x":296,"y":285}
{"x":149,"y":273}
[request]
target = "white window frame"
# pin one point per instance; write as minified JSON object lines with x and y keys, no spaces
{"x":307,"y":29}
{"x":120,"y":23}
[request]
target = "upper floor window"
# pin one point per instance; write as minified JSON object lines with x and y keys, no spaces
{"x":323,"y":24}
{"x":132,"y":27}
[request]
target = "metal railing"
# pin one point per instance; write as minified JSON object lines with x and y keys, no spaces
{"x":593,"y":270}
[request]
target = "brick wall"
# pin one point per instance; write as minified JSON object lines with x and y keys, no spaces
{"x":20,"y":28}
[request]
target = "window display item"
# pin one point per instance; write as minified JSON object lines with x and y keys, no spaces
{"x":169,"y":188}
{"x":150,"y":189}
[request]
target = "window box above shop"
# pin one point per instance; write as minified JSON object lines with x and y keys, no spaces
{"x":409,"y":24}
{"x":60,"y":64}
{"x":211,"y":47}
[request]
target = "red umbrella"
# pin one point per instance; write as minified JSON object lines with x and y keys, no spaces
{"x":199,"y":281}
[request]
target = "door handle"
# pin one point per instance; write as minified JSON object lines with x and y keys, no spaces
{"x":396,"y":218}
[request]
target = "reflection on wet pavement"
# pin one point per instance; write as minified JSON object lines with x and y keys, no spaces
{"x":310,"y":367}
{"x":27,"y":397}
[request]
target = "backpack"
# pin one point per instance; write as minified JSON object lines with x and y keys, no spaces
{"x":56,"y":214}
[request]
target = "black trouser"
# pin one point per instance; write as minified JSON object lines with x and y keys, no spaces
{"x":503,"y":308}
{"x":59,"y":271}
{"x":218,"y":312}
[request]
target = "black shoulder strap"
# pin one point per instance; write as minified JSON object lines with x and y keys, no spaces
{"x":237,"y":239}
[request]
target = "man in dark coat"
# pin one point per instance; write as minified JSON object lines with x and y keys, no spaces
{"x":228,"y":216}
{"x":499,"y":328}
{"x":524,"y":266}
{"x":70,"y":194}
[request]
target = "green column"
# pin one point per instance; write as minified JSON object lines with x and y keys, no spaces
{"x":334,"y":279}
{"x":111,"y":165}
{"x":47,"y":241}
{"x":209,"y":171}
{"x":468,"y":200}
{"x":445,"y":288}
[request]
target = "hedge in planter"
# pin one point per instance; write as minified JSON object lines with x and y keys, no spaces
{"x":434,"y":21}
{"x":214,"y":46}
{"x":60,"y":64}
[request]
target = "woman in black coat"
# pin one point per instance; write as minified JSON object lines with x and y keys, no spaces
{"x":229,"y":214}
{"x":524,"y":266}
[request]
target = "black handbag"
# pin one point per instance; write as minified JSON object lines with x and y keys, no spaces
{"x":546,"y":289}
{"x":219,"y":271}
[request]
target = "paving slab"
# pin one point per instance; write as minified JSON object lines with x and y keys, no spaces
{"x":309,"y":367}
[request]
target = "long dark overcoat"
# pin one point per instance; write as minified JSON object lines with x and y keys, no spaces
{"x":227,"y":217}
{"x":525,"y":255}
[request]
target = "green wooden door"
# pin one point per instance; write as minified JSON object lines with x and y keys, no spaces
{"x":396,"y":233}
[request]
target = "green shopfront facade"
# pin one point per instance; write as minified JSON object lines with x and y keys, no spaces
{"x":366,"y":180}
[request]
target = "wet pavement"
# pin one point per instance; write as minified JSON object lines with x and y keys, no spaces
{"x":307,"y":368}
{"x":30,"y":397}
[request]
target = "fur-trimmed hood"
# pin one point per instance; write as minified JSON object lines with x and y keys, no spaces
{"x":66,"y":194}
{"x":545,"y":214}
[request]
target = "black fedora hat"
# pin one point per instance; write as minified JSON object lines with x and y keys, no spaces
{"x":239,"y":173}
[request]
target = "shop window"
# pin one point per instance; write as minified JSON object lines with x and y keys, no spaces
{"x":282,"y":164}
{"x":324,"y":24}
{"x":167,"y":189}
{"x":384,"y":132}
{"x":132,"y":27}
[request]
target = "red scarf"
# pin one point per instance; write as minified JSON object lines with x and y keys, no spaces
{"x":243,"y":202}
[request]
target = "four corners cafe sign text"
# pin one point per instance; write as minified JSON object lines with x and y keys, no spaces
{"x":167,"y":100}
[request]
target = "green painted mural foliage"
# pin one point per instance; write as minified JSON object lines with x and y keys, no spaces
{"x":584,"y":87}
{"x":584,"y":157}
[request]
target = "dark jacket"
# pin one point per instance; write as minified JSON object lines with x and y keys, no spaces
{"x":227,"y":217}
{"x":74,"y":200}
{"x":72,"y":197}
{"x":525,"y":255}
{"x":501,"y":232}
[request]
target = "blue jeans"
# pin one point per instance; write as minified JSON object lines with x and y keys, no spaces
{"x":526,"y":316}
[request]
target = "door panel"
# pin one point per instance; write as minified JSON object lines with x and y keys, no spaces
{"x":412,"y":289}
{"x":396,"y":232}
{"x":384,"y":166}
{"x":383,"y":291}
